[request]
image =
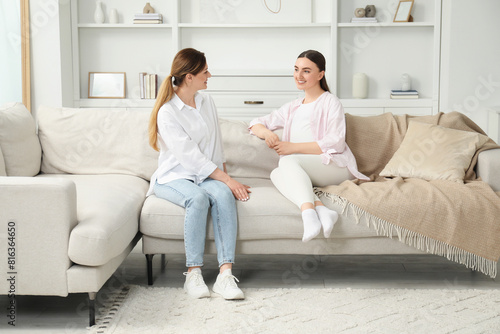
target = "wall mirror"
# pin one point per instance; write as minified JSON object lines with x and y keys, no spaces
{"x":15,"y":78}
{"x":107,"y":85}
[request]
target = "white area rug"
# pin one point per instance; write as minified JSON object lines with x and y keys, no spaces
{"x":170,"y":310}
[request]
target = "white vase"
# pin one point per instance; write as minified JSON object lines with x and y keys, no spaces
{"x":405,"y":82}
{"x":360,"y":86}
{"x":98,"y":14}
{"x":113,"y":16}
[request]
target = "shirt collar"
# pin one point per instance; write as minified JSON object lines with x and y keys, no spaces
{"x":176,"y":100}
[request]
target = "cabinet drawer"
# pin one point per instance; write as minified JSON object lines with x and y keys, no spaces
{"x":252,"y":100}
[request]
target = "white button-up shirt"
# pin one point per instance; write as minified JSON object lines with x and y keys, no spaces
{"x":189,"y":139}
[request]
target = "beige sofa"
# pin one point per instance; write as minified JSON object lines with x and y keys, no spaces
{"x":75,"y":193}
{"x":268,"y":223}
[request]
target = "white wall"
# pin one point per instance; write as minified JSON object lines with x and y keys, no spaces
{"x":470,"y":61}
{"x":46,"y":53}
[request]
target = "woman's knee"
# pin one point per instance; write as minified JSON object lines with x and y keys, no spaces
{"x":288,"y":160}
{"x":224,"y":194}
{"x":199,"y":200}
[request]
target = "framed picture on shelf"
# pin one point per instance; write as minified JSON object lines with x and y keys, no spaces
{"x":403,"y":13}
{"x":106,"y":85}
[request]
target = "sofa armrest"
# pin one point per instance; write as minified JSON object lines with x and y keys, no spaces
{"x":36,"y":218}
{"x":488,"y":168}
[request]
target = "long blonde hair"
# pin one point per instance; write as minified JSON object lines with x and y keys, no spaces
{"x":186,"y":61}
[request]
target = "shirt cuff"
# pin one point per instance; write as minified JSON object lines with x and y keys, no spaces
{"x":206,"y":170}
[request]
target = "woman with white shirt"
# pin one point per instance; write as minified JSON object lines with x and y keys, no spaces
{"x":313,"y":151}
{"x":191,"y":170}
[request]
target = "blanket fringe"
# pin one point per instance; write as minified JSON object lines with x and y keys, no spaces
{"x":417,"y":240}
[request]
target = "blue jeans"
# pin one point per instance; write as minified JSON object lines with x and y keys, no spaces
{"x":197,"y":199}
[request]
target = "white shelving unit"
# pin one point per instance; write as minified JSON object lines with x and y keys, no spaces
{"x":252,"y":63}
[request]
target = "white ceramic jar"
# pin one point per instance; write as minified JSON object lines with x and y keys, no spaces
{"x":360,"y":86}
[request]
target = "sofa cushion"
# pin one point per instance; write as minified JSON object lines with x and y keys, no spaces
{"x":96,"y":141}
{"x":3,"y":172}
{"x":108,"y":210}
{"x":433,"y":152}
{"x":19,"y":142}
{"x":267,"y":215}
{"x":246,"y":154}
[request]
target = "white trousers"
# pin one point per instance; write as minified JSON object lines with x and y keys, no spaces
{"x":297,"y":174}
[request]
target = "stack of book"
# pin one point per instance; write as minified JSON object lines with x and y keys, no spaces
{"x":149,"y":85}
{"x":364,"y":20}
{"x":148,"y":18}
{"x":404,"y":94}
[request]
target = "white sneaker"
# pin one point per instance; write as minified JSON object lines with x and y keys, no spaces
{"x":195,"y":285}
{"x":226,"y":286}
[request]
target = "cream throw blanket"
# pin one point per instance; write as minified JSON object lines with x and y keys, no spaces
{"x":458,"y":221}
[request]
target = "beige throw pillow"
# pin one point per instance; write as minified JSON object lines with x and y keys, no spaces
{"x":19,"y":142}
{"x":433,"y":152}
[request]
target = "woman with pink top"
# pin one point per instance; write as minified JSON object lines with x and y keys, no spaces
{"x":313,"y":151}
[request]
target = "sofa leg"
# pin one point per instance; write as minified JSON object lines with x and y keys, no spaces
{"x":92,"y":296}
{"x":163,"y":263}
{"x":149,"y":258}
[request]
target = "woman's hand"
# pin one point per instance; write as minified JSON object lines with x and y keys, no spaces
{"x":271,"y":139}
{"x":240,"y":191}
{"x":264,"y":133}
{"x":285,"y":148}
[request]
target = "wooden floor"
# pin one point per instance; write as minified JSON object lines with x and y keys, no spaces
{"x":69,"y":314}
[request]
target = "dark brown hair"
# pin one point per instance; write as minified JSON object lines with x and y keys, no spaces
{"x":317,"y":58}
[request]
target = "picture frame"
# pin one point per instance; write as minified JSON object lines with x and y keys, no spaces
{"x":106,"y":85}
{"x":403,"y":12}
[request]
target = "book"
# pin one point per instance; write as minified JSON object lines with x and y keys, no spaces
{"x":141,"y":84}
{"x":153,"y":78}
{"x":147,"y":21}
{"x":404,"y":96}
{"x":148,"y":18}
{"x":404,"y":92}
{"x":148,"y":85}
{"x":153,"y":16}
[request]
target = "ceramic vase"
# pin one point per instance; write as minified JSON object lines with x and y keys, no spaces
{"x":113,"y":16}
{"x":405,"y":82}
{"x":360,"y":86}
{"x":98,"y":14}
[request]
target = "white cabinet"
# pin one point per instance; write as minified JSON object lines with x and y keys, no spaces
{"x":251,"y":52}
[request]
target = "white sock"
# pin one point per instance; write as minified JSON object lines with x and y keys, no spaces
{"x":312,"y":224}
{"x":328,"y":218}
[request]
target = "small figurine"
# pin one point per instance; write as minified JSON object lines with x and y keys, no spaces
{"x":359,"y":12}
{"x":148,"y":9}
{"x":370,"y":11}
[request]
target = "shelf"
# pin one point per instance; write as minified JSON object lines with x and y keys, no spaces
{"x":386,"y":103}
{"x":265,"y":25}
{"x":124,"y":25}
{"x":386,"y":24}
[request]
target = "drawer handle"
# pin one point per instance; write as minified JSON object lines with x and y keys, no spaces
{"x":254,"y":102}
